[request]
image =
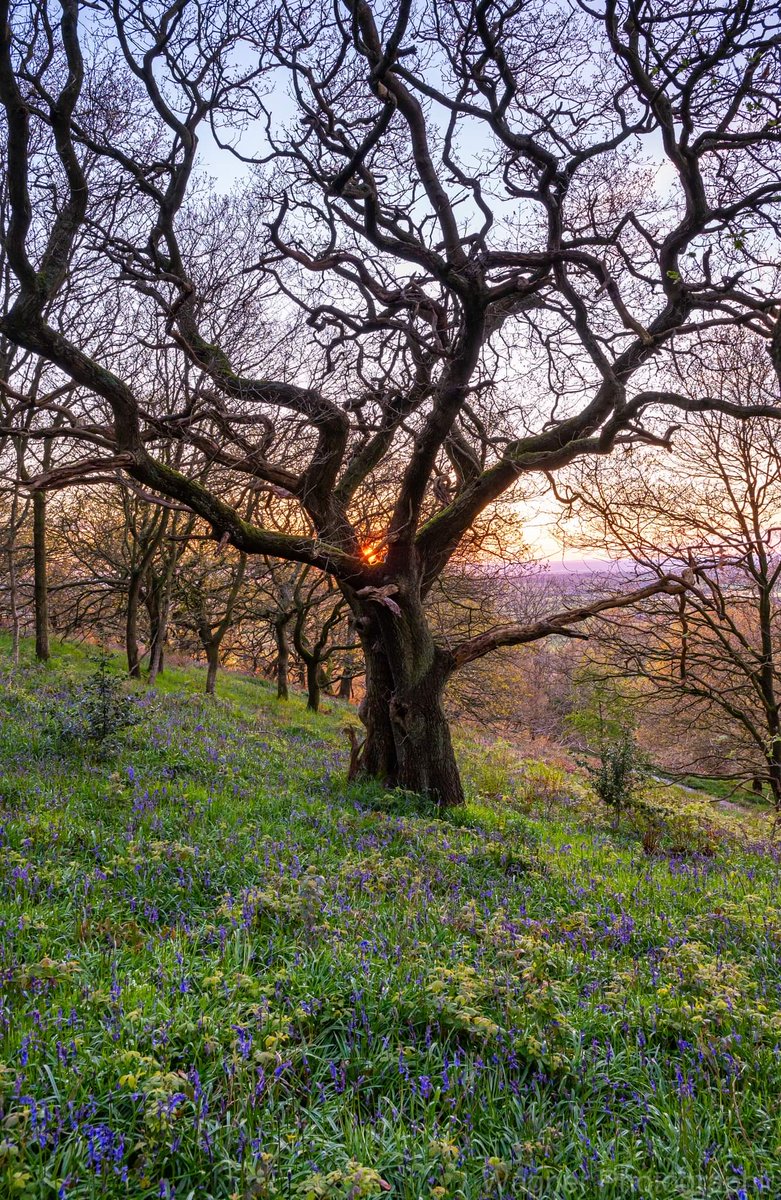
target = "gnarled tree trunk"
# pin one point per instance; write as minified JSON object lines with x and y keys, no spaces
{"x":408,"y":743}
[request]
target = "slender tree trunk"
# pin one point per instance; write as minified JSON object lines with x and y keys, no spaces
{"x":163,"y":594}
{"x":408,"y":743}
{"x":345,"y":691}
{"x":213,"y":665}
{"x":157,"y":650}
{"x":283,"y":658}
{"x":40,"y":577}
{"x":13,"y":579}
{"x":774,"y":760}
{"x":152,"y":605}
{"x":149,"y":543}
{"x":131,"y":628}
{"x":158,"y":607}
{"x":13,"y":593}
{"x":767,"y":677}
{"x":313,"y":684}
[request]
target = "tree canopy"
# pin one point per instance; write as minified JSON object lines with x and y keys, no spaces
{"x":470,"y":243}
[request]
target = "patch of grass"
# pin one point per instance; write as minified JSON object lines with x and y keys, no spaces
{"x":725,"y":789}
{"x":226,"y":974}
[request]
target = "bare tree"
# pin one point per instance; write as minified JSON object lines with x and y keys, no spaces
{"x":159,"y":587}
{"x":710,"y":658}
{"x":113,"y":554}
{"x":208,"y":588}
{"x":25,"y":455}
{"x":320,"y":629}
{"x":453,"y":269}
{"x":276,"y":605}
{"x":15,"y":517}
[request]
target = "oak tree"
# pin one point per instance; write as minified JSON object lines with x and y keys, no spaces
{"x":468,"y":243}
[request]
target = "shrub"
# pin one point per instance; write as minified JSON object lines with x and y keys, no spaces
{"x":680,"y":829}
{"x":99,"y":711}
{"x":401,"y":803}
{"x":618,"y":774}
{"x":492,"y":773}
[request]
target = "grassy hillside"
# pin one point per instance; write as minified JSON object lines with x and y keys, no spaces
{"x":224,"y":974}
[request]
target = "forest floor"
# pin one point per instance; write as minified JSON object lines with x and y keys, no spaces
{"x":225,"y":973}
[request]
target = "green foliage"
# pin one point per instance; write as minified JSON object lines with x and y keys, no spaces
{"x":491,"y":772}
{"x":352,"y":1183}
{"x":618,"y":774}
{"x":669,"y":824}
{"x":600,"y":708}
{"x":227,"y":976}
{"x":727,"y":789}
{"x":544,"y":787}
{"x":99,"y":711}
{"x":401,"y":803}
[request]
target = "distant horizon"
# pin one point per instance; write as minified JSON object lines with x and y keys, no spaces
{"x":563,"y":565}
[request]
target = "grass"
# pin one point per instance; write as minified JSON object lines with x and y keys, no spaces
{"x":225,"y":974}
{"x":726,"y":789}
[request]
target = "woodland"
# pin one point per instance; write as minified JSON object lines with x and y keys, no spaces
{"x":390,"y":601}
{"x":466,"y":251}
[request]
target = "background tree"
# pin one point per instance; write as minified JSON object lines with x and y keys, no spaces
{"x":15,"y":511}
{"x":709,"y":659}
{"x":477,"y":251}
{"x":208,"y":590}
{"x":89,"y":545}
{"x":160,"y":583}
{"x":113,"y":555}
{"x":276,"y":583}
{"x":320,"y":629}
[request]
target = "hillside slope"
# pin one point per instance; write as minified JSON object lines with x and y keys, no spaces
{"x":225,"y":974}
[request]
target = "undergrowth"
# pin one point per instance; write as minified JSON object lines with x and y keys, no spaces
{"x":226,"y":974}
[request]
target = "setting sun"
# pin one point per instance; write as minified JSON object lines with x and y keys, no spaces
{"x":373,"y":552}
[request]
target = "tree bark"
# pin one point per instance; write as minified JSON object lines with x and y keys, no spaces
{"x":157,"y":648}
{"x":40,"y":577}
{"x":131,"y":627}
{"x":426,"y":760}
{"x":159,"y":608}
{"x":283,"y":658}
{"x":13,"y":579}
{"x":408,"y":743}
{"x":213,"y":666}
{"x":313,"y":685}
{"x":14,"y":598}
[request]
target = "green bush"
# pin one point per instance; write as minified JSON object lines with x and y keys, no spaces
{"x":401,"y":803}
{"x":544,"y":787}
{"x":492,"y":773}
{"x":99,"y":711}
{"x":619,"y":773}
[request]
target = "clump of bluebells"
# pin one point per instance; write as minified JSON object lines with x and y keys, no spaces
{"x":225,"y":975}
